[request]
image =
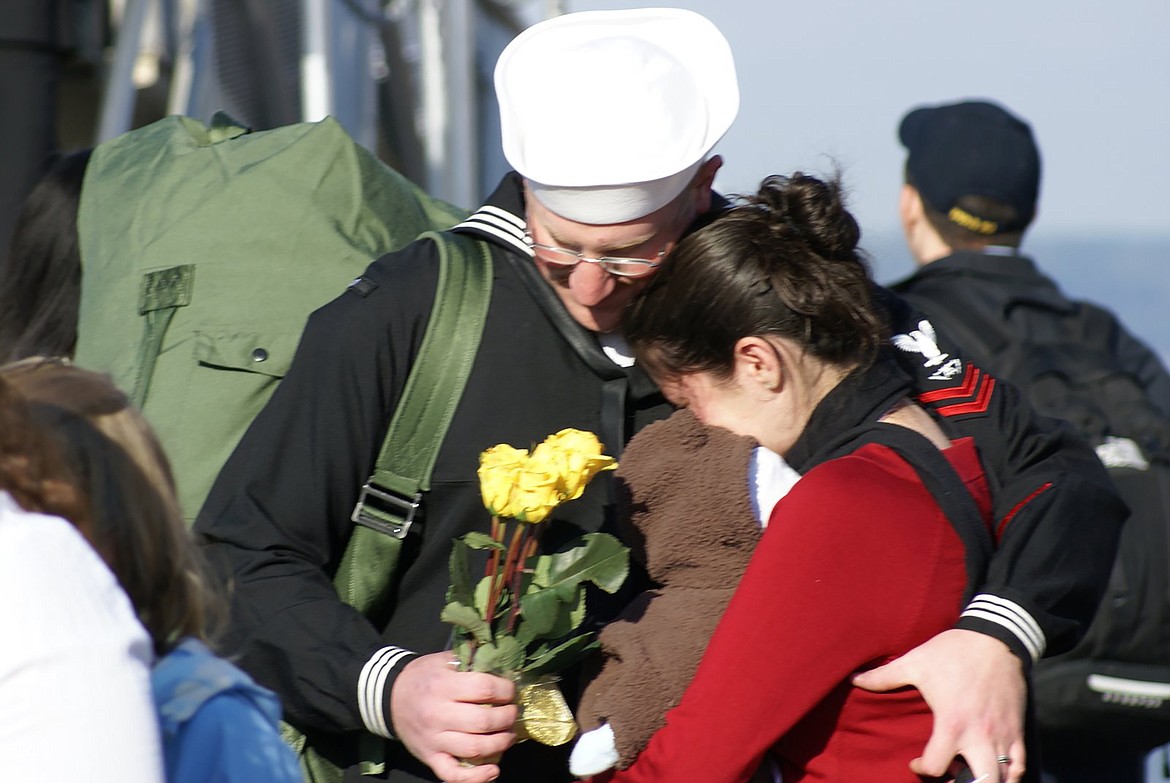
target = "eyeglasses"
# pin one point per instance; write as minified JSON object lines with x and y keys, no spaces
{"x":614,"y":265}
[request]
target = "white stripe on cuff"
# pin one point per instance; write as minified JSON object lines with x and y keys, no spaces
{"x":1011,"y":616}
{"x":371,"y":685}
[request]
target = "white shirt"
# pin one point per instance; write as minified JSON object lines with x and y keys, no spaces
{"x":769,"y":479}
{"x":75,"y":697}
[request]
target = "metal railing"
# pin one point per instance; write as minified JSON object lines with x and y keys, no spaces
{"x":351,"y":57}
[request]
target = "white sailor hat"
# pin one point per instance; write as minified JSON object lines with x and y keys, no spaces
{"x":609,"y":114}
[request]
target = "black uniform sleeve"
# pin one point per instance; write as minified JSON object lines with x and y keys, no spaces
{"x":277,"y":519}
{"x":1057,"y":515}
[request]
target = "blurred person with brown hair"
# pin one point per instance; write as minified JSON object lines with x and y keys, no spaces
{"x":40,"y":275}
{"x":75,"y":668}
{"x":74,"y":447}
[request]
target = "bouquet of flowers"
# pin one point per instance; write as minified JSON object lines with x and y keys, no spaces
{"x":519,"y":619}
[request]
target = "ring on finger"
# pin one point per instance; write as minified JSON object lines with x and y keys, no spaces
{"x":1004,"y":759}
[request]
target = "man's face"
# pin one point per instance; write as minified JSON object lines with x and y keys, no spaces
{"x":595,"y":298}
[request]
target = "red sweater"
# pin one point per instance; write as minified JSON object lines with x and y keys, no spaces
{"x":858,"y":565}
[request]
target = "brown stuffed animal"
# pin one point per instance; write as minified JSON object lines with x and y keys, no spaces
{"x":687,"y":507}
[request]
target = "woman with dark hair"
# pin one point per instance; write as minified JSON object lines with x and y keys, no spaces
{"x":72,"y":446}
{"x":764,"y":323}
{"x":40,"y":274}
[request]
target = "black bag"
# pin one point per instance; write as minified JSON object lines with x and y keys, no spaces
{"x":1115,"y":684}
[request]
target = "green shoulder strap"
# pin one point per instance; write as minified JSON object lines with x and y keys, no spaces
{"x":390,"y":498}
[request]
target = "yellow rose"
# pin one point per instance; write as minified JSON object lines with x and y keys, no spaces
{"x":575,"y":457}
{"x":575,"y":440}
{"x":499,"y":467}
{"x":528,"y":487}
{"x":535,"y":494}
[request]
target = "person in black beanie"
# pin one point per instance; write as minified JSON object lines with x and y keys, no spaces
{"x":972,"y":184}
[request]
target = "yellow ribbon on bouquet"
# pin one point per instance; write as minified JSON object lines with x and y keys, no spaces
{"x":544,"y":714}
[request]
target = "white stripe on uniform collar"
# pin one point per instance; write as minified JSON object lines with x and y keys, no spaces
{"x":498,"y":223}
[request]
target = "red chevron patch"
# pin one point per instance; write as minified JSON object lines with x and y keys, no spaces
{"x":978,"y":405}
{"x":970,"y":382}
{"x":976,"y":384}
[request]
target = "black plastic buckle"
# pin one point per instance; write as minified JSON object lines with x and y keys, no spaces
{"x":389,"y":504}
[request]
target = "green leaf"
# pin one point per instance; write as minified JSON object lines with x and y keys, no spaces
{"x":545,"y":615}
{"x":562,"y":656}
{"x":465,"y":617}
{"x":481,"y":541}
{"x":503,"y":657}
{"x":482,"y":591}
{"x":598,"y":558}
{"x":459,"y":590}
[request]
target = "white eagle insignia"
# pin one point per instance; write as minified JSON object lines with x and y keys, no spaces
{"x":923,"y":340}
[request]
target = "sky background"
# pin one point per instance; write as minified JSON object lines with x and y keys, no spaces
{"x":824,"y":84}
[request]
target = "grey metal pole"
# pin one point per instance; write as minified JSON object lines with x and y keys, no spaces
{"x":353,"y":27}
{"x":118,"y":93}
{"x":316,"y":92}
{"x":189,"y":22}
{"x":464,"y":164}
{"x":447,"y":43}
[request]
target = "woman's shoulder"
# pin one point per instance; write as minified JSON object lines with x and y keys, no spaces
{"x":67,"y":592}
{"x":880,"y":467}
{"x":873,"y":479}
{"x":877,"y":478}
{"x":873,"y":466}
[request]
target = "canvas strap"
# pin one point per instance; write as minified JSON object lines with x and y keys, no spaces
{"x":389,"y":501}
{"x":390,"y":498}
{"x":161,"y":292}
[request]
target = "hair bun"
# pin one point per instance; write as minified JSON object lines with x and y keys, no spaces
{"x":811,"y":210}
